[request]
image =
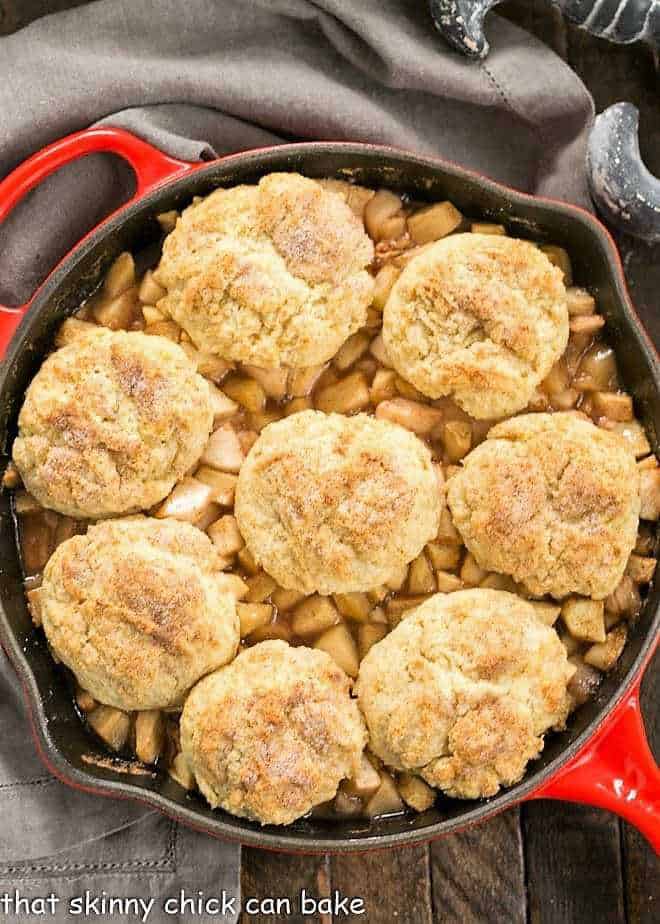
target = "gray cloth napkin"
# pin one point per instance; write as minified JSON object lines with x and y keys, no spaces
{"x":201,"y":78}
{"x":56,"y":840}
{"x":206,"y":77}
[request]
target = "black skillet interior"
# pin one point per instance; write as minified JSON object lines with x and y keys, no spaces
{"x":62,"y":738}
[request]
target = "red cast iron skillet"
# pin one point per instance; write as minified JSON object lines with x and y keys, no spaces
{"x":602,"y":758}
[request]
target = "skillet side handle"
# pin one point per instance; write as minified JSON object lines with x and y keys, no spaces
{"x":615,"y":771}
{"x":151,"y":167}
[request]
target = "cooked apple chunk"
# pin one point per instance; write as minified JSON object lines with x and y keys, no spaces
{"x":111,"y":725}
{"x":579,"y":301}
{"x":120,"y":276}
{"x":624,"y":601}
{"x":296,"y":405}
{"x":340,"y":645}
{"x":487,"y":227}
{"x":150,"y":292}
{"x":419,"y":418}
{"x":604,"y":655}
{"x":385,"y":278}
{"x":314,"y":615}
{"x":190,"y":499}
{"x":386,"y":800}
{"x":377,"y":595}
{"x":210,"y":366}
{"x":303,"y":381}
{"x":383,"y":216}
{"x":447,"y":532}
{"x":434,"y":222}
{"x":85,"y":701}
{"x":253,"y":616}
{"x":421,"y":579}
{"x":181,"y":772}
{"x":396,"y":607}
{"x":383,"y":386}
{"x":151,"y":315}
{"x":224,"y":451}
{"x":346,"y":806}
{"x":471,"y":574}
{"x":457,"y":439}
{"x":365,"y":782}
{"x":548,"y":613}
{"x":584,"y":682}
{"x":633,"y":433}
{"x":355,"y":347}
{"x":272,"y":381}
{"x":649,"y":492}
{"x":398,"y":579}
{"x":274,"y":630}
{"x":117,"y":313}
{"x":285,"y":600}
{"x":245,"y":391}
{"x":559,"y":257}
{"x":369,"y":635}
{"x":597,"y":370}
{"x":641,"y":569}
{"x":347,"y":396}
{"x":34,"y":605}
{"x":415,"y":792}
{"x":234,"y":585}
{"x":614,"y":405}
{"x":355,"y":606}
{"x":378,"y":351}
{"x":448,"y":583}
{"x":223,"y":406}
{"x":444,"y":557}
{"x":149,"y":735}
{"x":260,"y":587}
{"x":584,"y":618}
{"x":586,"y":324}
{"x":222,"y":484}
{"x":226,"y":535}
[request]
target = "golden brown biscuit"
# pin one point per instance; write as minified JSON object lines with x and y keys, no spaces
{"x":273,"y":274}
{"x":138,"y":610}
{"x":551,"y":500}
{"x":479,"y":317}
{"x":273,"y":734}
{"x":336,"y":504}
{"x":462,"y":691}
{"x":110,"y":423}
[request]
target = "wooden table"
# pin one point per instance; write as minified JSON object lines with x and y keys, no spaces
{"x":546,"y":863}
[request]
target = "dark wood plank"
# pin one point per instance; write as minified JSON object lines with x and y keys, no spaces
{"x":394,"y":884}
{"x":573,"y":862}
{"x":613,"y":73}
{"x":14,"y":14}
{"x":574,"y":865}
{"x":479,"y":875}
{"x":630,"y":74}
{"x":267,"y":875}
{"x":619,"y":72}
{"x":642,"y":878}
{"x":591,"y":878}
{"x":641,"y":866}
{"x":541,"y":18}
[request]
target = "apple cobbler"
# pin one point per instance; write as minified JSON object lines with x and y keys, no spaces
{"x":576,"y":374}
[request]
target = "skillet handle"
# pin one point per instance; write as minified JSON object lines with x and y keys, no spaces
{"x":151,"y":167}
{"x":615,"y":770}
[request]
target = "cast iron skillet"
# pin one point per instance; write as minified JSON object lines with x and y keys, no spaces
{"x":602,"y":758}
